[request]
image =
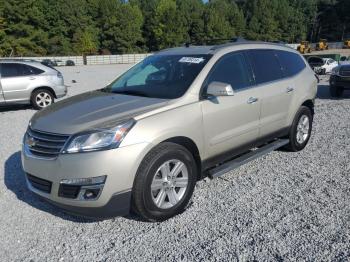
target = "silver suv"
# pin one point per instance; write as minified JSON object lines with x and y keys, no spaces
{"x":143,"y":141}
{"x":29,"y":82}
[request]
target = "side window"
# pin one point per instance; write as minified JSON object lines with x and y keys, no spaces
{"x":10,"y":70}
{"x":266,"y":67}
{"x":24,"y":70}
{"x":232,"y":69}
{"x":31,"y":70}
{"x":291,"y":63}
{"x":14,"y":70}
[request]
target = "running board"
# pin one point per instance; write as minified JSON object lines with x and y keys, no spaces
{"x":247,"y":157}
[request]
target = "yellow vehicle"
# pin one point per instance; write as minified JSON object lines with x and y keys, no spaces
{"x":304,"y":47}
{"x":322,"y":45}
{"x":346,"y":44}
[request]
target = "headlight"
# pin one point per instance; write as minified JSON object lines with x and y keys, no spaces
{"x":100,"y":139}
{"x":336,"y":70}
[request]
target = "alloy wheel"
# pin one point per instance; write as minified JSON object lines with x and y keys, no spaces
{"x":169,"y":184}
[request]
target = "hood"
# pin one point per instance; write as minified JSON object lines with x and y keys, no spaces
{"x":90,"y":110}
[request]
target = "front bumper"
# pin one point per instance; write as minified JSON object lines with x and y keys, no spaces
{"x":119,"y":165}
{"x":339,"y":81}
{"x":118,"y":205}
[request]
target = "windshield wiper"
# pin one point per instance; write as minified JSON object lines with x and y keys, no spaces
{"x":131,"y":92}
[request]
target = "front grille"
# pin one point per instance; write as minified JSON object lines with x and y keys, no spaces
{"x":68,"y":191}
{"x":40,"y":184}
{"x":45,"y":144}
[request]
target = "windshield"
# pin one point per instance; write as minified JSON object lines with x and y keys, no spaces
{"x":160,"y":76}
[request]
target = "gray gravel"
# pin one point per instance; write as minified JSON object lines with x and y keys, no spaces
{"x":284,"y":206}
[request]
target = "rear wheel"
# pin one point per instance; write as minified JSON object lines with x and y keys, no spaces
{"x":300,"y":131}
{"x":164,"y":183}
{"x":336,"y":91}
{"x":42,"y":98}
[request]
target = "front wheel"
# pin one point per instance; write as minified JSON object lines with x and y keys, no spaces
{"x":42,"y":98}
{"x":164,"y":182}
{"x":300,"y":131}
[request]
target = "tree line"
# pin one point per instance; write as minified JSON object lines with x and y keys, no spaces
{"x":60,"y":27}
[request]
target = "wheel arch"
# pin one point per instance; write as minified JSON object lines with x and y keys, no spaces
{"x":191,"y":146}
{"x":45,"y":88}
{"x":310,"y":104}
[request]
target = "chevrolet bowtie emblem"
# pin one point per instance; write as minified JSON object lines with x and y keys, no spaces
{"x":31,"y":142}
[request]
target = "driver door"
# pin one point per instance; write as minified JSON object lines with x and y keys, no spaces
{"x":231,"y":122}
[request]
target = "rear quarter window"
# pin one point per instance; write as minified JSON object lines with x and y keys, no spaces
{"x":291,"y":63}
{"x":33,"y":70}
{"x":265,"y":65}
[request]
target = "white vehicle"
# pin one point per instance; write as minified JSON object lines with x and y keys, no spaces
{"x":328,"y":65}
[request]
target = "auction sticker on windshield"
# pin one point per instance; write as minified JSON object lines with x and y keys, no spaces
{"x":192,"y":60}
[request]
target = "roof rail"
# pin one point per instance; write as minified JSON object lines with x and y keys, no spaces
{"x":213,"y":40}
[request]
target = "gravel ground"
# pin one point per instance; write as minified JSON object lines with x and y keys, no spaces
{"x":284,"y":206}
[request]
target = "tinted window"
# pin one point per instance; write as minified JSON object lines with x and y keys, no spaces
{"x":265,"y":65}
{"x":33,"y":70}
{"x":14,"y":69}
{"x":10,"y":70}
{"x":160,"y":76}
{"x":232,"y":69}
{"x":292,"y":63}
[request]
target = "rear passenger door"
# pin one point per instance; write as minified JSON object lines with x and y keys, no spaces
{"x":276,"y":90}
{"x":15,"y":80}
{"x":231,"y":121}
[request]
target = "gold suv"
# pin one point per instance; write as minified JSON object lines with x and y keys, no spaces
{"x":142,"y":142}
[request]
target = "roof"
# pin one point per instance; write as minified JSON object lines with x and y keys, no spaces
{"x":26,"y":61}
{"x":212,"y":49}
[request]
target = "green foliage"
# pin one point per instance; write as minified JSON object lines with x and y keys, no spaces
{"x":121,"y":26}
{"x":168,"y":26}
{"x":61,"y":27}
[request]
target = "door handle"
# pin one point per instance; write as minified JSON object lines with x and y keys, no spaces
{"x":32,"y":78}
{"x":252,"y":100}
{"x":290,"y":89}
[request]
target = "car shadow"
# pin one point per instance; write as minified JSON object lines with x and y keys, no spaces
{"x":8,"y":108}
{"x":15,"y":181}
{"x":324,"y":93}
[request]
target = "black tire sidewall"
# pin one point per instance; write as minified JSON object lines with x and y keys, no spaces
{"x":295,"y":146}
{"x":35,"y":93}
{"x":172,"y":151}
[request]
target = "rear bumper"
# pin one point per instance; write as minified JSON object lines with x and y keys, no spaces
{"x":340,"y":81}
{"x":60,"y":91}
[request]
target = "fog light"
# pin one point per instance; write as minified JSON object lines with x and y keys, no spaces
{"x":90,"y":188}
{"x":91,"y":193}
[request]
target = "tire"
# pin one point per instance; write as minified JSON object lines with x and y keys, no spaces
{"x":299,"y":135}
{"x":144,"y":199}
{"x":42,"y":98}
{"x":336,"y":91}
{"x":70,"y":63}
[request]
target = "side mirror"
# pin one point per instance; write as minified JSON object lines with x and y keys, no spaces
{"x":220,"y":89}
